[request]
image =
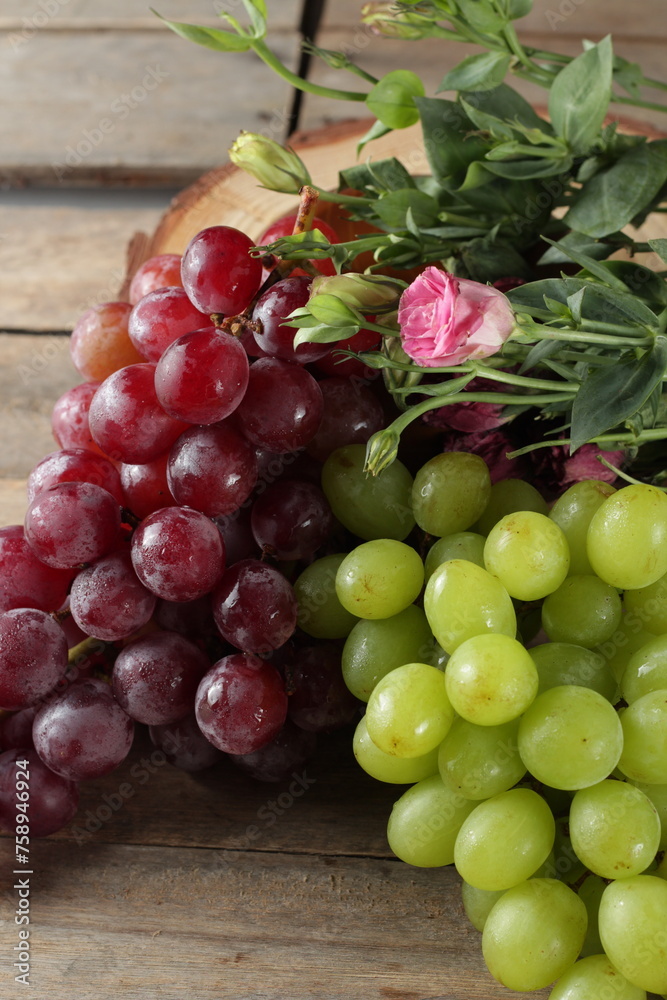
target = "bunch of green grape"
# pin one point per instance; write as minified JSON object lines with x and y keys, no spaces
{"x":516,"y":680}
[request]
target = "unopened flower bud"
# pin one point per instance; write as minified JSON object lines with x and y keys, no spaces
{"x":372,"y":293}
{"x":274,"y":166}
{"x":381,"y":450}
{"x":385,"y":18}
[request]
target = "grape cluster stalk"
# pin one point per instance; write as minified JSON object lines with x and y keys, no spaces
{"x":205,"y":556}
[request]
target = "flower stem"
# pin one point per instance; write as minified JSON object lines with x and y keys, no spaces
{"x":272,"y":60}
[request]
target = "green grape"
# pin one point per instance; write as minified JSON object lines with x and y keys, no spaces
{"x":505,"y":839}
{"x":646,"y":670}
{"x":384,"y":767}
{"x":644,"y":723}
{"x":478,"y":903}
{"x":633,"y":930}
{"x":570,"y":737}
{"x":533,"y":934}
{"x":573,"y":512}
{"x":528,"y":553}
{"x":658,"y":796}
{"x":615,"y":829}
{"x":373,"y":648}
{"x":561,"y":663}
{"x":491,"y":679}
{"x":424,"y":823}
{"x":595,"y":978}
{"x":507,"y":497}
{"x":460,"y":545}
{"x":590,"y":893}
{"x":566,"y":866}
{"x":480,"y":761}
{"x":320,"y":612}
{"x":379,"y":578}
{"x":368,"y":506}
{"x":462,"y":600}
{"x":450,"y":492}
{"x":584,"y":610}
{"x":627,"y":537}
{"x":649,"y":605}
{"x":409,"y":713}
{"x":628,"y":638}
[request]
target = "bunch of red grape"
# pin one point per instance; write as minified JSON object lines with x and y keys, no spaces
{"x":178,"y":557}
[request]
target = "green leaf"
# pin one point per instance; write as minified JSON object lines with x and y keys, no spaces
{"x":612,"y":198}
{"x":484,"y":71}
{"x":210,"y":38}
{"x":629,"y":76}
{"x":392,"y":99}
{"x":450,"y":146}
{"x":523,"y":170}
{"x":660,"y":247}
{"x":481,"y":15}
{"x":393,"y":207}
{"x":488,"y":260}
{"x":579,"y":97}
{"x":325,"y":334}
{"x":600,"y":271}
{"x":332,"y":311}
{"x":519,"y":8}
{"x":257,"y":13}
{"x":505,"y":104}
{"x":376,"y":131}
{"x":559,"y":253}
{"x":612,"y":395}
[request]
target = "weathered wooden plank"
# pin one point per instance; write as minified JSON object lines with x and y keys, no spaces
{"x":123,"y":106}
{"x":575,"y":17}
{"x":12,"y":501}
{"x":181,"y":922}
{"x":68,"y":15}
{"x":432,"y":58}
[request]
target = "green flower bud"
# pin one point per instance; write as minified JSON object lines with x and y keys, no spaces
{"x":274,"y":166}
{"x":372,"y":293}
{"x":381,"y":450}
{"x":385,"y":18}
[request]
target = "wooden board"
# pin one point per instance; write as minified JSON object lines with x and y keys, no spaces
{"x":129,"y":15}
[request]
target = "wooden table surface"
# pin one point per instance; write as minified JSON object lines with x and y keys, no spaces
{"x":169,"y":885}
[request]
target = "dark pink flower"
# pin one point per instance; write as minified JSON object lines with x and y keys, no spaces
{"x":446,"y":320}
{"x":492,"y":447}
{"x":584,"y":464}
{"x":466,"y":417}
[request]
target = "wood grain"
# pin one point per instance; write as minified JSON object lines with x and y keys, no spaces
{"x":130,"y":15}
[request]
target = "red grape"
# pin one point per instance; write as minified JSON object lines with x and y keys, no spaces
{"x":241,"y":704}
{"x":72,"y":523}
{"x":282,"y":408}
{"x":126,"y":419}
{"x":160,"y":318}
{"x":33,"y":657}
{"x":157,"y":272}
{"x":254,"y":606}
{"x":75,"y":465}
{"x":212,"y":469}
{"x":184,"y":745}
{"x":25,"y":581}
{"x":100,"y":343}
{"x":146,"y":488}
{"x":237,"y":534}
{"x":16,"y":729}
{"x":193,"y":619}
{"x":202,"y":377}
{"x":53,"y":799}
{"x":155,"y":678}
{"x":277,"y":760}
{"x":178,"y":553}
{"x":319,"y":698}
{"x":69,"y":420}
{"x":109,"y":601}
{"x":218,"y":272}
{"x":337,"y":364}
{"x":83,"y":733}
{"x":285,"y":227}
{"x":291,"y":519}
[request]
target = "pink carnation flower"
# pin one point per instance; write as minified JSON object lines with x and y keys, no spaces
{"x":584,"y":465}
{"x":493,"y":448}
{"x":446,"y":320}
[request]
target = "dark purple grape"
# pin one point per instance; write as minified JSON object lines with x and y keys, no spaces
{"x":292,"y":519}
{"x":16,"y":729}
{"x":25,"y":581}
{"x":155,"y":678}
{"x":109,"y":601}
{"x":53,"y":799}
{"x":184,"y":745}
{"x":282,"y":407}
{"x":241,"y":704}
{"x":213,"y":469}
{"x":193,"y":619}
{"x":275,"y":337}
{"x":254,"y":607}
{"x":237,"y":534}
{"x":146,"y":488}
{"x":277,"y":760}
{"x":33,"y":657}
{"x":83,"y":733}
{"x":319,"y":699}
{"x":178,"y":554}
{"x":72,"y":523}
{"x":351,"y":415}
